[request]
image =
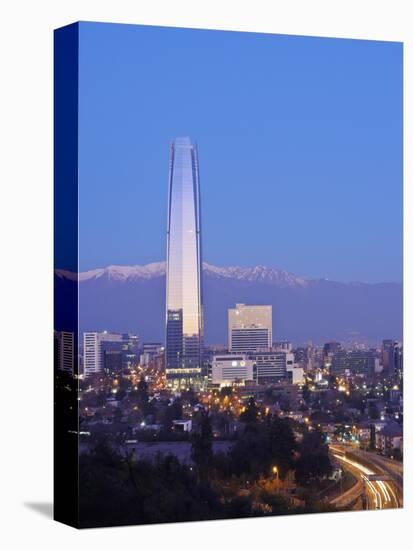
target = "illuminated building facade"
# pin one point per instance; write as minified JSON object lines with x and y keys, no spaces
{"x":232,"y":369}
{"x":184,"y":314}
{"x":249,"y":328}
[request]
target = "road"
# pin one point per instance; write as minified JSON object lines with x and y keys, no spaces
{"x":380,"y":494}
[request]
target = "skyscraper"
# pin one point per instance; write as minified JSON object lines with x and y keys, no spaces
{"x":184,"y":315}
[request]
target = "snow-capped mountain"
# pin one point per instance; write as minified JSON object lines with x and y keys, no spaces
{"x":258,"y":273}
{"x":132,"y":298}
{"x":126,"y":272}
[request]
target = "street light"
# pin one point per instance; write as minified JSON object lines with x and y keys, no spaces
{"x":275,"y":473}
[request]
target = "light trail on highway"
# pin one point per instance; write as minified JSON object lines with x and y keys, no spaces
{"x":381,"y":492}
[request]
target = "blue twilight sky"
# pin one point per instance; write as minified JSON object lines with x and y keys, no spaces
{"x":300,"y":148}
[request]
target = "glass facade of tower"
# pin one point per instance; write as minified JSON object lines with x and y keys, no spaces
{"x":184,"y":316}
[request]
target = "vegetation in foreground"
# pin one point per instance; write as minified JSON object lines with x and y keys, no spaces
{"x":118,"y":488}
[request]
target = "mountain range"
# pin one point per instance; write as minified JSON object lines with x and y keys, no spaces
{"x":132,"y":299}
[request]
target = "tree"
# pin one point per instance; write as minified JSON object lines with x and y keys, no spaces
{"x":250,"y":415}
{"x":279,"y":504}
{"x":282,"y":445}
{"x":251,"y":454}
{"x":201,"y":441}
{"x":239,"y":507}
{"x":226,"y":391}
{"x":313,"y":462}
{"x":172,"y":412}
{"x":142,"y":391}
{"x":262,"y":446}
{"x":117,"y":491}
{"x":191,"y":396}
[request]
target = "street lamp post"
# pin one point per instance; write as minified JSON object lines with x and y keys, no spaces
{"x":275,"y":473}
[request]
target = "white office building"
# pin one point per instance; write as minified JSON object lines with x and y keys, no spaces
{"x":271,"y":366}
{"x":92,"y":350}
{"x":231,"y":369}
{"x":249,"y":328}
{"x":297,"y":375}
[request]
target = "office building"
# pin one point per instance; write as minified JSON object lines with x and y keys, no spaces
{"x":392,"y":358}
{"x":331,"y":347}
{"x":353,"y":362}
{"x":130,"y":343}
{"x":184,"y":315}
{"x":94,"y":345}
{"x":231,"y":369}
{"x":150,"y":351}
{"x":112,"y":361}
{"x":271,"y":366}
{"x":153,"y":348}
{"x":249,"y":328}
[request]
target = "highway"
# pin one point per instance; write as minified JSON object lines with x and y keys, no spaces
{"x":386,"y":492}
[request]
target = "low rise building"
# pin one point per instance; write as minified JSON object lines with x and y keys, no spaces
{"x":230,"y":369}
{"x":389,"y":440}
{"x":271,"y":366}
{"x":182,"y":425}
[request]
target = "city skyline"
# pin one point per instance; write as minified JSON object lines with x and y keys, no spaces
{"x":334,"y":104}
